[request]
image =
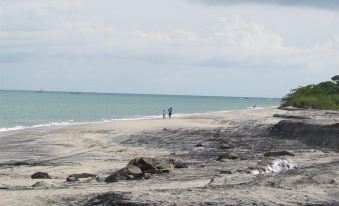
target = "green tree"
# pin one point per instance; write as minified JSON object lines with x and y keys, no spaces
{"x":324,"y":95}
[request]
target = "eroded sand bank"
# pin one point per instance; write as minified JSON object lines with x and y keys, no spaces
{"x":101,"y":149}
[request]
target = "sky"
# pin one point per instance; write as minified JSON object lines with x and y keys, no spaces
{"x":248,"y":48}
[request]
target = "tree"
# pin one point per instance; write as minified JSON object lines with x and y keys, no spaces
{"x":335,"y":78}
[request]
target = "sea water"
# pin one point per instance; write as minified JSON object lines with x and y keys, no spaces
{"x":22,"y":109}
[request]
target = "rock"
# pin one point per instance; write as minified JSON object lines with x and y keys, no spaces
{"x":225,"y":146}
{"x":225,"y":157}
{"x":147,"y":176}
{"x":42,"y":184}
{"x":278,"y":153}
{"x":198,"y":144}
{"x":72,"y":179}
{"x":83,"y":175}
{"x":164,"y":167}
{"x":41,"y":175}
{"x":129,"y":172}
{"x":227,"y":172}
{"x":147,"y":165}
{"x":178,"y":164}
{"x":99,"y":179}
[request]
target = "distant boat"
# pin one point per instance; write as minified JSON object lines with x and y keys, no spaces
{"x":41,"y":91}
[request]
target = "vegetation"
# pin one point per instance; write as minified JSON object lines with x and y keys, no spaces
{"x":320,"y":96}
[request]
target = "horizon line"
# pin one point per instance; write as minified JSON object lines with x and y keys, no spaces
{"x":121,"y":93}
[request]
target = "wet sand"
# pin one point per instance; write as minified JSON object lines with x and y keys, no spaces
{"x":100,"y":149}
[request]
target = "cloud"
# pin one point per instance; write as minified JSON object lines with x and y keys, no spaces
{"x":319,"y":4}
{"x":228,"y":43}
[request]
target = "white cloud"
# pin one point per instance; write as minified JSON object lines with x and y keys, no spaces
{"x":69,"y":31}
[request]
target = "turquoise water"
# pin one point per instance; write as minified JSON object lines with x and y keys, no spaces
{"x":20,"y":109}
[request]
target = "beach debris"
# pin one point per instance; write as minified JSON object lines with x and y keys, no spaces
{"x":274,"y":166}
{"x":129,"y":172}
{"x":198,"y":145}
{"x":278,"y":153}
{"x":42,"y":184}
{"x":227,"y":156}
{"x":225,"y":146}
{"x":41,"y":175}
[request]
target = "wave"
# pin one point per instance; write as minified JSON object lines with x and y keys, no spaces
{"x":137,"y":117}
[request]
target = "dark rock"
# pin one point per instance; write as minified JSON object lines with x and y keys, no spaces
{"x":41,"y":175}
{"x":72,"y":179}
{"x":225,"y":146}
{"x":278,"y":153}
{"x":198,"y":144}
{"x":129,"y":172}
{"x":147,"y":165}
{"x":225,"y":157}
{"x":83,"y":175}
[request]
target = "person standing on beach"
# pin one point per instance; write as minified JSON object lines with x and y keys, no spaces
{"x":170,"y":112}
{"x":164,"y":114}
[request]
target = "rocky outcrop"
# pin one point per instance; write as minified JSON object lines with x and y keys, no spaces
{"x":312,"y":134}
{"x":41,"y":175}
{"x":141,"y":168}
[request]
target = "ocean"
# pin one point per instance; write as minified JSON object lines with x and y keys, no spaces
{"x":25,"y":109}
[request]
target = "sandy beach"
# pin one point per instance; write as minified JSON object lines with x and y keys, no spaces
{"x":220,"y":159}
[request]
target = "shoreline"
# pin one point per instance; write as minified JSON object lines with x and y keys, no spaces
{"x":72,"y":122}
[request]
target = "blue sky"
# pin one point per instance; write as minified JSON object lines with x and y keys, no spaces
{"x":200,"y":47}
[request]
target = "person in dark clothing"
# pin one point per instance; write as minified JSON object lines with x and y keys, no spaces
{"x":170,"y":113}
